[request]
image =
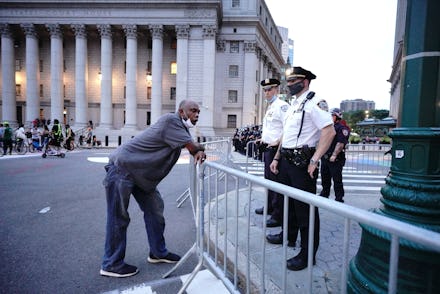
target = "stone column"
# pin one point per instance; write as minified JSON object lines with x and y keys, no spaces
{"x":131,"y":102}
{"x":261,"y":102}
{"x":81,"y":101}
{"x":157,"y":57}
{"x":32,"y":74}
{"x":207,"y":111}
{"x":249,"y":88}
{"x":182,"y":33}
{"x":106,"y":77}
{"x":56,"y":72}
{"x":9,"y":103}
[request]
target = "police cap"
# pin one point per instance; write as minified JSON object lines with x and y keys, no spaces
{"x":300,"y":73}
{"x":336,"y":112}
{"x":269,"y":83}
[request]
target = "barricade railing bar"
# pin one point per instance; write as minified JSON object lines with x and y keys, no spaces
{"x":223,"y":239}
{"x":374,"y":159}
{"x":215,"y":150}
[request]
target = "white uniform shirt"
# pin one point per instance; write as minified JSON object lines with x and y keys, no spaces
{"x":315,"y":119}
{"x":273,"y":121}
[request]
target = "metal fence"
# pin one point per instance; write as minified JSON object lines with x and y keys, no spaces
{"x":228,"y":245}
{"x":374,"y":159}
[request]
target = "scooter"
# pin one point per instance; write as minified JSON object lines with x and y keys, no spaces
{"x":48,"y":151}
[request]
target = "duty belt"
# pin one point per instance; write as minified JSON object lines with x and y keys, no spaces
{"x":298,"y":156}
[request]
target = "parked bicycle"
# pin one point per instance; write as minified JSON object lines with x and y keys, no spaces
{"x":20,"y":146}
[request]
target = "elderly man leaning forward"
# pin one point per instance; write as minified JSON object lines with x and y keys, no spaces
{"x":136,"y":168}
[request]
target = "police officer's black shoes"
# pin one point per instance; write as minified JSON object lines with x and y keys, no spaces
{"x":298,"y":262}
{"x":278,"y":239}
{"x":271,"y":223}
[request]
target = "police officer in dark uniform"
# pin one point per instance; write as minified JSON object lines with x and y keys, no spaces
{"x":297,"y":158}
{"x":333,"y":160}
{"x":270,"y":138}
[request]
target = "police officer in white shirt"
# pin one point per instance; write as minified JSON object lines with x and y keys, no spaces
{"x":270,"y":138}
{"x":297,"y":159}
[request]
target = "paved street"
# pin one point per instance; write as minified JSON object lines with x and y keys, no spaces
{"x":52,"y":215}
{"x":53,"y":220}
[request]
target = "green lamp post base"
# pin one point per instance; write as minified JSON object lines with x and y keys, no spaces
{"x":412,"y":195}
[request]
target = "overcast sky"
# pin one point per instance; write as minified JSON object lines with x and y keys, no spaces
{"x":347,"y":44}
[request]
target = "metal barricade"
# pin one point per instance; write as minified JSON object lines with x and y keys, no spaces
{"x":217,"y":151}
{"x":224,"y":232}
{"x":373,"y":159}
{"x":368,"y":158}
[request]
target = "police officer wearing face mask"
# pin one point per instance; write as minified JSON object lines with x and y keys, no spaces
{"x":270,"y":138}
{"x":297,"y":158}
{"x":333,"y":160}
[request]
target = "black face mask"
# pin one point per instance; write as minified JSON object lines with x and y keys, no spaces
{"x":296,"y":88}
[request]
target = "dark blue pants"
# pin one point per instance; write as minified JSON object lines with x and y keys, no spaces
{"x":119,"y":186}
{"x":329,"y":171}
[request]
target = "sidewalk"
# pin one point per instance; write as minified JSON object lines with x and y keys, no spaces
{"x":328,"y":268}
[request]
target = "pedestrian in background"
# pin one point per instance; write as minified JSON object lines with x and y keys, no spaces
{"x":333,"y":160}
{"x":136,"y":168}
{"x":7,"y":138}
{"x":270,"y":138}
{"x":69,"y":137}
{"x":297,"y":158}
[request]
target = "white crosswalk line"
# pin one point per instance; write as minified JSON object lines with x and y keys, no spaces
{"x":353,"y":181}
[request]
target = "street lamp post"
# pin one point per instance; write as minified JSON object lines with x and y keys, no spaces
{"x":412,"y":189}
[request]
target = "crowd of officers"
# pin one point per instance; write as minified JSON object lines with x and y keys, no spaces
{"x":297,"y":141}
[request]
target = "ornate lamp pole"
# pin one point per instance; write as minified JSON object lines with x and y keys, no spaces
{"x":412,"y":190}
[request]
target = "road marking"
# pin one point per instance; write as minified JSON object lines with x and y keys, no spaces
{"x":205,"y":280}
{"x":98,"y":159}
{"x":202,"y":281}
{"x":44,"y":210}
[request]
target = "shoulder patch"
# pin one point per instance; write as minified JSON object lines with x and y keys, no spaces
{"x":284,"y":108}
{"x":345,"y":132}
{"x":323,"y":105}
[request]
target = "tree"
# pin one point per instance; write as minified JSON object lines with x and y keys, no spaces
{"x":353,"y":117}
{"x":379,"y":113}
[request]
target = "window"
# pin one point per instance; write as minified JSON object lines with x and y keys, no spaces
{"x":235,"y":3}
{"x":18,"y":90}
{"x":173,"y":93}
{"x":148,"y":118}
{"x":148,"y":92}
{"x":41,"y":65}
{"x":233,"y":71}
{"x":125,"y":92}
{"x":17,"y":64}
{"x":232,"y":121}
{"x":125,"y":67}
{"x":235,"y":47}
{"x":232,"y":96}
{"x":173,"y":68}
{"x":41,"y":90}
{"x":64,"y":91}
{"x":173,"y":44}
{"x":64,"y":65}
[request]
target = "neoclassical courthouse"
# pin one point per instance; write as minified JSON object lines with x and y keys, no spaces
{"x":122,"y":64}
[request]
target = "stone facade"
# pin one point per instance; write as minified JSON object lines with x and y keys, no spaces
{"x":93,"y":60}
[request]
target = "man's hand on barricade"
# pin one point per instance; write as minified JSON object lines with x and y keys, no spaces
{"x":199,"y":157}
